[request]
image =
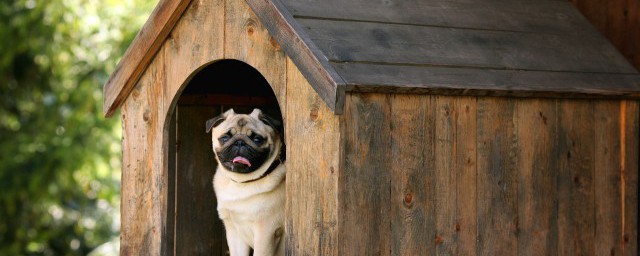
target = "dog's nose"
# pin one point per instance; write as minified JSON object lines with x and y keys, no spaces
{"x":239,"y":143}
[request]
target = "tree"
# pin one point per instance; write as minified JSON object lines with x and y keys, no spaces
{"x":59,"y":158}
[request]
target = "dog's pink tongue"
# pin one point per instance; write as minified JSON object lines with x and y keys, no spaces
{"x":242,"y":160}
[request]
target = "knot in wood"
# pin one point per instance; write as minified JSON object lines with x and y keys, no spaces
{"x":408,"y":198}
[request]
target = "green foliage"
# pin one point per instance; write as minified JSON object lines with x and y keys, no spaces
{"x":59,"y":158}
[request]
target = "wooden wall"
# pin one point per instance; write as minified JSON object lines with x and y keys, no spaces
{"x":427,"y":175}
{"x":619,"y":21}
{"x":156,"y":219}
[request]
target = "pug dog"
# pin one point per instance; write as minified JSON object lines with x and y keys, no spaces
{"x":249,"y":182}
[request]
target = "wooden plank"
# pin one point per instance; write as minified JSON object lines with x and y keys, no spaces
{"x":198,"y":229}
{"x":348,"y":41}
{"x":497,"y":177}
{"x":576,"y":209}
{"x":630,"y":145}
{"x":455,"y":175}
{"x":313,"y":170}
{"x":364,"y":188}
{"x":486,"y":82}
{"x":553,"y":17}
{"x":536,"y":130}
{"x":188,"y":49}
{"x":411,"y":170}
{"x":144,"y":227}
{"x":226,"y":99}
{"x":169,"y":176}
{"x":607,"y":178}
{"x":141,"y":52}
{"x":247,"y":40}
{"x":302,"y":51}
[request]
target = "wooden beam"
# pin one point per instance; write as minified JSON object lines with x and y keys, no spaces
{"x":142,"y":50}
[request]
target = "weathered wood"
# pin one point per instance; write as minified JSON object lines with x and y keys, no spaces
{"x":303,"y":52}
{"x":198,"y":230}
{"x":348,"y":41}
{"x":576,"y":212}
{"x":629,"y":138}
{"x":144,"y":194}
{"x":455,"y":175}
{"x":168,"y":245}
{"x":141,"y":52}
{"x":486,"y":82}
{"x":619,"y":21}
{"x":313,"y":168}
{"x":247,"y":40}
{"x":497,"y":177}
{"x":537,"y":156}
{"x":607,"y":178}
{"x":226,"y":99}
{"x":364,"y":188}
{"x":549,"y":17}
{"x":411,"y":163}
{"x":188,"y":48}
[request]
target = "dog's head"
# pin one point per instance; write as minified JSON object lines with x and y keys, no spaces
{"x":245,"y":144}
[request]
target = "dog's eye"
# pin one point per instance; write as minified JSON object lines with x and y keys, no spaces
{"x":224,"y":138}
{"x":258,"y":139}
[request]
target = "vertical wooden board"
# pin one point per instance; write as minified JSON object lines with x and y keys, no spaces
{"x":497,"y":176}
{"x":607,"y":178}
{"x":198,"y":229}
{"x":313,"y":167}
{"x":537,"y":174}
{"x":629,"y":149}
{"x":170,"y":178}
{"x":365,"y":184}
{"x":144,"y":192}
{"x":197,"y":39}
{"x":576,"y":212}
{"x":466,"y":166}
{"x":455,"y":175}
{"x":246,"y":39}
{"x":412,"y":168}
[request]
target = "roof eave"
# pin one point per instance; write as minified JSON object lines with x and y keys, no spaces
{"x":141,"y":52}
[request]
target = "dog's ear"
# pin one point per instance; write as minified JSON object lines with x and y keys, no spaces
{"x":213,"y":122}
{"x":270,"y":121}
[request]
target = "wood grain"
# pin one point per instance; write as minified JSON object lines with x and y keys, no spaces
{"x":619,"y":21}
{"x":486,"y":82}
{"x":629,"y":138}
{"x":497,"y":185}
{"x":302,"y":51}
{"x":576,"y":209}
{"x":188,"y":49}
{"x":141,"y":52}
{"x":607,"y":178}
{"x":455,"y":175}
{"x":549,"y":17}
{"x":198,"y":229}
{"x":313,"y":170}
{"x":247,"y":40}
{"x":537,"y":156}
{"x":364,"y":188}
{"x":144,"y":193}
{"x":347,"y":41}
{"x":412,"y":175}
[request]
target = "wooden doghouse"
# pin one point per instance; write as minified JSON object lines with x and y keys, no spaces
{"x":447,"y":127}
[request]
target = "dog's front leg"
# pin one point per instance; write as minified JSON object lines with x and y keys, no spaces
{"x":268,"y":242}
{"x":237,"y":247}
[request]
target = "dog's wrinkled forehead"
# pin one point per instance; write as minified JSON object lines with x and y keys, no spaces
{"x":231,"y":122}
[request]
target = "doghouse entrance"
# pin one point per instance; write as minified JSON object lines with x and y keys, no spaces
{"x":191,"y":203}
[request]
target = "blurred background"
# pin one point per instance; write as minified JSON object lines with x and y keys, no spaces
{"x":59,"y":158}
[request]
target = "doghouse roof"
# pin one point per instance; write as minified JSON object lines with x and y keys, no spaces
{"x":521,"y":48}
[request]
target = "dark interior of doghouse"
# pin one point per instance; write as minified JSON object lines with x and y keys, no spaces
{"x":193,"y":226}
